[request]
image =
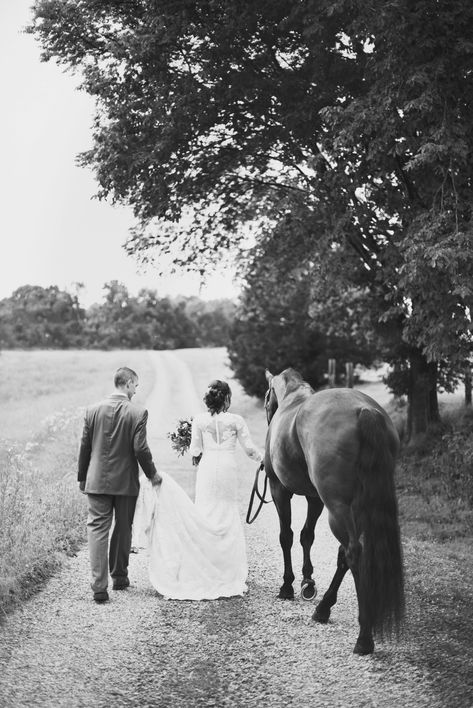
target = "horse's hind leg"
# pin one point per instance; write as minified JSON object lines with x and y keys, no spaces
{"x":314,"y":509}
{"x":342,"y":524}
{"x":282,"y":501}
{"x":322,"y":611}
{"x":364,"y":643}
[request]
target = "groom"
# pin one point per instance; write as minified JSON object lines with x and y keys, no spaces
{"x":113,"y":444}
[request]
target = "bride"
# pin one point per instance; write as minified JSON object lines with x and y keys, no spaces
{"x":197,"y":550}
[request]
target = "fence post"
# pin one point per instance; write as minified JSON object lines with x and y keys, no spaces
{"x":349,"y":374}
{"x":332,"y":367}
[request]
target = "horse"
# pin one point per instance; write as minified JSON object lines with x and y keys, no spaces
{"x":338,"y":448}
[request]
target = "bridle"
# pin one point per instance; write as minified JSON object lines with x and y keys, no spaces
{"x":267,"y":402}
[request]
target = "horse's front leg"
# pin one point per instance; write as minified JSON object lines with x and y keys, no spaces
{"x":314,"y":509}
{"x":282,"y":502}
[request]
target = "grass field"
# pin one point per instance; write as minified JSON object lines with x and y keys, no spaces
{"x":39,"y":384}
{"x":42,"y":515}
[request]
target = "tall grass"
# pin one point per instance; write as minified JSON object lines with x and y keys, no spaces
{"x":436,"y":479}
{"x":42,"y":512}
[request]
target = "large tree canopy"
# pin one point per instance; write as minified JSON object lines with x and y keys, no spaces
{"x":355,"y":114}
{"x":210,"y":107}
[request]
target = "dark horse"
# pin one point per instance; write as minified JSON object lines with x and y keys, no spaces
{"x":338,"y":448}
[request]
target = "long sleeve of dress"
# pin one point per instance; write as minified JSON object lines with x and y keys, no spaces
{"x":244,"y":438}
{"x":196,"y":446}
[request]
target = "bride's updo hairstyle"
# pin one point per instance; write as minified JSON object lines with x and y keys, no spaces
{"x":217,"y":397}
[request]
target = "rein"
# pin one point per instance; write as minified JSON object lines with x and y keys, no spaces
{"x":255,"y":492}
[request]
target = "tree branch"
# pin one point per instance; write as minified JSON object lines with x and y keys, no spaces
{"x":409,"y":187}
{"x":275,"y":185}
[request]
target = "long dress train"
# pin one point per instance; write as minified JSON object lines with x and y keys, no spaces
{"x":197,"y":550}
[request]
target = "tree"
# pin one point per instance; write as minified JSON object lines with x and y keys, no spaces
{"x":172,"y":328}
{"x":228,"y":112}
{"x":212,"y":319}
{"x":41,"y":317}
{"x":142,"y":322}
{"x":50,"y":318}
{"x":111,"y":325}
{"x":282,"y":321}
{"x":408,"y":136}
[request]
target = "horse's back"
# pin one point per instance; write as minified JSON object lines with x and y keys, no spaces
{"x":337,"y":410}
{"x":328,"y":426}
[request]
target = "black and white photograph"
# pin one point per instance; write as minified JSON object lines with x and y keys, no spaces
{"x":236,"y":352}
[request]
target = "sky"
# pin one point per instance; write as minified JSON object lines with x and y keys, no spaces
{"x":53,"y":232}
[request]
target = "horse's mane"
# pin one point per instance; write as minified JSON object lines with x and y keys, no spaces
{"x":294,"y":381}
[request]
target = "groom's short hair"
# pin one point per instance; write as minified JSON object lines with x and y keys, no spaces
{"x":123,"y":375}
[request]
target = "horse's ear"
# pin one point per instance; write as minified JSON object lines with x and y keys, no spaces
{"x":269,"y":376}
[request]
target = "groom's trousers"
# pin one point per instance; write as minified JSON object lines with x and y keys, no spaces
{"x":99,"y":521}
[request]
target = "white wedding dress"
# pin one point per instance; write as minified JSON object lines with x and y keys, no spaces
{"x":197,"y":550}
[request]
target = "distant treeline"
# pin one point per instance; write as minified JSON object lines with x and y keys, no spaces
{"x":37,"y":317}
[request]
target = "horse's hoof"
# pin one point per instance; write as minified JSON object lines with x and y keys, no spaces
{"x":286,"y":593}
{"x":308,"y":590}
{"x":320,"y":615}
{"x":364,"y":647}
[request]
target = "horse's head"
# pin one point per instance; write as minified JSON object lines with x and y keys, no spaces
{"x":270,"y":399}
{"x":288,"y":383}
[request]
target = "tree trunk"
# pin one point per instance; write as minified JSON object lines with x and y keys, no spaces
{"x":433,"y":394}
{"x":468,"y":385}
{"x":422,"y":397}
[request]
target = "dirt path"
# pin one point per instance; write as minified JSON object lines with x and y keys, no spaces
{"x":61,"y":649}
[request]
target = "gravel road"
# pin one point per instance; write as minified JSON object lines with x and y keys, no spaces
{"x":61,"y":649}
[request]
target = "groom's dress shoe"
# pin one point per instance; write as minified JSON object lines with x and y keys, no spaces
{"x":101,"y":596}
{"x":121,"y":584}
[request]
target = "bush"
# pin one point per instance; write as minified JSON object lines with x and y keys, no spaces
{"x":435,"y":478}
{"x":452,"y":460}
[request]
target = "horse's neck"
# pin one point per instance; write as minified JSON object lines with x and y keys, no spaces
{"x":297,"y":397}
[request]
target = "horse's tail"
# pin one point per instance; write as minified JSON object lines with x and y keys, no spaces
{"x":381,"y":577}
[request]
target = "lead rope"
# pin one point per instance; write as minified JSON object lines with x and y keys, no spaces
{"x":255,"y":492}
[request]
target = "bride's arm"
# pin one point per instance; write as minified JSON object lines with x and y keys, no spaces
{"x":246,"y":442}
{"x":196,"y":446}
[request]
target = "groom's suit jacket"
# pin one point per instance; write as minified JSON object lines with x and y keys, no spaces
{"x":113,"y":443}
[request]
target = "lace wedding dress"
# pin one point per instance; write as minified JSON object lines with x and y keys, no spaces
{"x":197,"y":550}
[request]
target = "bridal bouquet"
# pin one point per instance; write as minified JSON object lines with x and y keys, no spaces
{"x":181,"y":437}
